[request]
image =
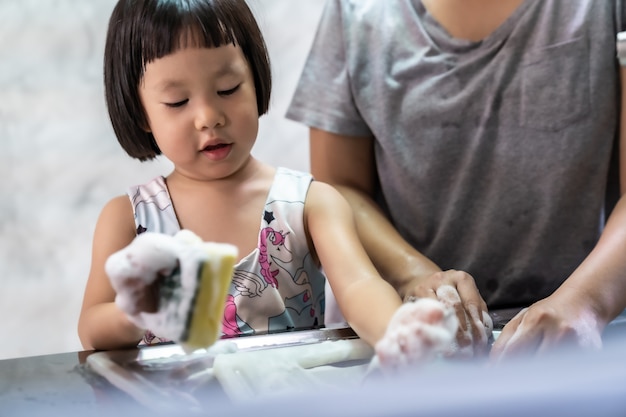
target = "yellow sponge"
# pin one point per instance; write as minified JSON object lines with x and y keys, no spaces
{"x":192,"y":277}
{"x":213,"y":278}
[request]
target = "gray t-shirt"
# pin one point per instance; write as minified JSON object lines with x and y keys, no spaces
{"x":493,"y":155}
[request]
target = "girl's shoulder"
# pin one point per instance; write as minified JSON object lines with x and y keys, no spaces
{"x":116,"y":220}
{"x":117,"y":206}
{"x":325,"y":198}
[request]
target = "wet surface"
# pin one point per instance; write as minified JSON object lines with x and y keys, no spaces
{"x":164,"y":381}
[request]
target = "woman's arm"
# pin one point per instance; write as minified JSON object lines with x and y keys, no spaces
{"x":590,"y":298}
{"x":101,"y":324}
{"x":348,"y":164}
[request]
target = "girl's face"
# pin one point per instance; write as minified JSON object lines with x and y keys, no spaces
{"x":201,"y":107}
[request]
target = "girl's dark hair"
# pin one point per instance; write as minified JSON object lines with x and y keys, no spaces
{"x":141,"y":31}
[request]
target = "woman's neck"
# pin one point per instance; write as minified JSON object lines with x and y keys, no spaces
{"x":473,"y":20}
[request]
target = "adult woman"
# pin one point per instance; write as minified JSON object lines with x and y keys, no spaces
{"x":473,"y":140}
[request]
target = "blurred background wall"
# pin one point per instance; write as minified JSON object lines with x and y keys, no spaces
{"x":60,"y":162}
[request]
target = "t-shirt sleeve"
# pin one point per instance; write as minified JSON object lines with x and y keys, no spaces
{"x":620,"y":16}
{"x":323,"y":97}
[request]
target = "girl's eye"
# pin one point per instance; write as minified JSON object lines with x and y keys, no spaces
{"x":229,"y":92}
{"x":177,"y":104}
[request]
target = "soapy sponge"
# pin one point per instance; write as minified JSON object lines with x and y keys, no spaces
{"x":175,"y":286}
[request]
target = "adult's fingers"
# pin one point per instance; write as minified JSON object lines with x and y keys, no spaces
{"x":458,"y":290}
{"x":497,"y":350}
{"x":450,"y":297}
{"x":466,"y":286}
{"x":518,"y":337}
{"x":477,"y":324}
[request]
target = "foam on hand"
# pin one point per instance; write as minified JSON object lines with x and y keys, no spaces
{"x":463,"y":344}
{"x":418,"y":332}
{"x":426,"y":329}
{"x":192,"y":278}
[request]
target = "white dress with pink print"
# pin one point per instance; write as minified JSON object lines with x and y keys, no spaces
{"x":278,"y":286}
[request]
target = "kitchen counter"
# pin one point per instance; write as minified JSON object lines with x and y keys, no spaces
{"x":57,"y":384}
{"x":576,"y":382}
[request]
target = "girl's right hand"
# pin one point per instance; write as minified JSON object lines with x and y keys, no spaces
{"x":136,"y":273}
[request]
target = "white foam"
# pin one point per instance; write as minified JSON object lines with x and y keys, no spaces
{"x":152,"y":255}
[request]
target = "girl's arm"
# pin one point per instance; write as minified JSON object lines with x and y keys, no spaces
{"x":101,"y":324}
{"x":366,"y":300}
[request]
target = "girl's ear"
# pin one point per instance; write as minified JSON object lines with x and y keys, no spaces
{"x":144,"y":125}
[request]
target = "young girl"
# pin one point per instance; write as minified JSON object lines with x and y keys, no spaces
{"x":189,"y":80}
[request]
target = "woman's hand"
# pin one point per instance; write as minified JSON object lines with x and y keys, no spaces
{"x":553,"y":322}
{"x":458,"y":290}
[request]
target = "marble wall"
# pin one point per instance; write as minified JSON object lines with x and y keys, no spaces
{"x":60,"y":162}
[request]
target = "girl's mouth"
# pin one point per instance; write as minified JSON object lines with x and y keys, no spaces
{"x":214,"y":147}
{"x":217,"y":152}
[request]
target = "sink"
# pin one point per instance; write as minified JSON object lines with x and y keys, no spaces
{"x":165,"y":378}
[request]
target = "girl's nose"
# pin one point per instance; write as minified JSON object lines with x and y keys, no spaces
{"x":209,"y":116}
